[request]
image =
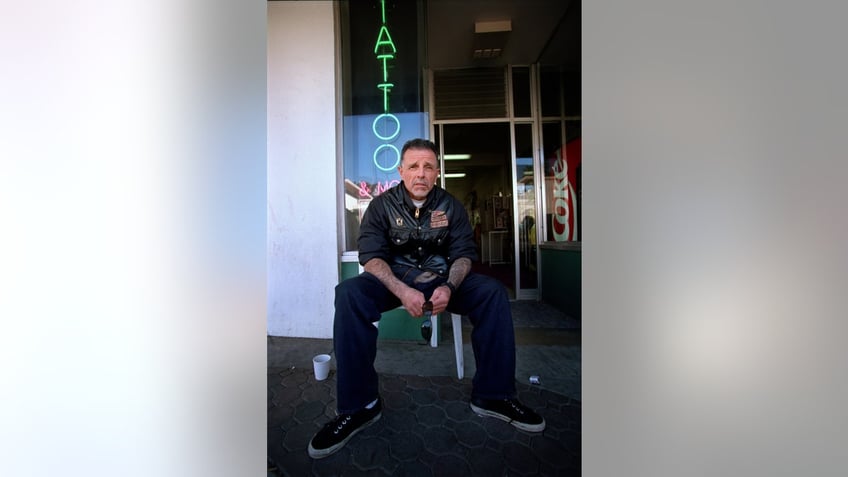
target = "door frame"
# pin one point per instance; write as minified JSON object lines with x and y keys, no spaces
{"x":538,"y":173}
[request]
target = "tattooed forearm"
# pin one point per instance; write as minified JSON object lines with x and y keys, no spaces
{"x":380,"y":269}
{"x":459,"y":270}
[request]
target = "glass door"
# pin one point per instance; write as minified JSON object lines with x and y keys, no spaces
{"x":525,"y":191}
{"x":477,"y":170}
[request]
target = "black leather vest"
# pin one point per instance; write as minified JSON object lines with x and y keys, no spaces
{"x":420,"y":236}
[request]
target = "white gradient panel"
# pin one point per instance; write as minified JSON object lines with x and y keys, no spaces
{"x":132,"y":175}
{"x":715,"y":268}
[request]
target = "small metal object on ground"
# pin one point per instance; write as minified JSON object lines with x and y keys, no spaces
{"x":535,"y":380}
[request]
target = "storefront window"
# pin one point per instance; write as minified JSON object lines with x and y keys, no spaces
{"x":550,"y":91}
{"x":383,"y":105}
{"x":561,"y":144}
{"x":521,"y":92}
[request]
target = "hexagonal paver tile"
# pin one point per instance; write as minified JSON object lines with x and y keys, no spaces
{"x":471,"y":434}
{"x":286,"y":395}
{"x":465,"y":387}
{"x":396,"y":400}
{"x":559,"y":421}
{"x":458,"y":411}
{"x":330,"y":411}
{"x":370,"y":452}
{"x":294,"y":463}
{"x":440,"y":441}
{"x":570,"y":440}
{"x":405,"y":446}
{"x":520,"y":458}
{"x":427,"y":458}
{"x":497,"y":429}
{"x":392,"y":383}
{"x":450,"y":465}
{"x":423,"y":396}
{"x":486,"y":461}
{"x":274,"y":380}
{"x":431,"y":416}
{"x":298,"y":437}
{"x":532,"y":400}
{"x":549,"y":396}
{"x":315,"y":393}
{"x":413,"y":469}
{"x":279,"y":414}
{"x":442,"y":380}
{"x":294,"y":379}
{"x":274,"y":389}
{"x":549,"y":451}
{"x":448,"y":393}
{"x":309,"y":411}
{"x":335,"y":464}
{"x":570,"y":470}
{"x":418,"y":382}
{"x":275,"y":438}
{"x":399,"y":421}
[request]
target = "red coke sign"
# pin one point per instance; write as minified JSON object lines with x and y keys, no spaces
{"x":564,"y":191}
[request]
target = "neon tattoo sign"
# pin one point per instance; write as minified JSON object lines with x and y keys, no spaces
{"x":365,"y":191}
{"x":385,"y":50}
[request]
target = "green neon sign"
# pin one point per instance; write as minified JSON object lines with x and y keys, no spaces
{"x":385,"y":50}
{"x":384,"y":41}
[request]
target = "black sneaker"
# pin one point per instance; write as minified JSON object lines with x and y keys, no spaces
{"x":511,"y":411}
{"x":335,"y":434}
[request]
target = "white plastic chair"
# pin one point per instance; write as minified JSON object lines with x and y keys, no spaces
{"x":456,"y":322}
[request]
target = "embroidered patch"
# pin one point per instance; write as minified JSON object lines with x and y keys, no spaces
{"x":438,"y":219}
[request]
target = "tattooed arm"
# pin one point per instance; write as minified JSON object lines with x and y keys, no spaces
{"x":412,"y":299}
{"x":458,"y":271}
{"x":442,"y":295}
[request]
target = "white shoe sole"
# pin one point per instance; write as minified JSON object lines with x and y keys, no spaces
{"x":521,"y":425}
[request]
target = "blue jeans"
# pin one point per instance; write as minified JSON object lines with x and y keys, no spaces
{"x":359,"y":303}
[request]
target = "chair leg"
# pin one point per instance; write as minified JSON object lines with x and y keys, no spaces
{"x":435,"y":322}
{"x":456,"y":321}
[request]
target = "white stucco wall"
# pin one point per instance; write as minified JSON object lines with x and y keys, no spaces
{"x":302,"y":236}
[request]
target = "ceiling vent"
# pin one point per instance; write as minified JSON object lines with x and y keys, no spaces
{"x":470,"y":93}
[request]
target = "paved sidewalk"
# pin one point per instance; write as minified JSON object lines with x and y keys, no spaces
{"x":427,"y":428}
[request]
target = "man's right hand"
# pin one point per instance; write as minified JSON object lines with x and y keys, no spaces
{"x":413,"y":301}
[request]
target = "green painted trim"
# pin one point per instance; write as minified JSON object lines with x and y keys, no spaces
{"x":561,"y":280}
{"x":394,"y":324}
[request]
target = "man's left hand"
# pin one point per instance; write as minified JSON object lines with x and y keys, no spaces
{"x":440,"y":298}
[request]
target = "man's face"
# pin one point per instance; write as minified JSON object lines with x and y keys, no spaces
{"x":418,"y":169}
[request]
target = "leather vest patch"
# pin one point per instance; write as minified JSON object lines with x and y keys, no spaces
{"x":438,"y":219}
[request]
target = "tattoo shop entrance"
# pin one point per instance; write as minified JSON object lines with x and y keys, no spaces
{"x":499,"y":198}
{"x":506,"y":155}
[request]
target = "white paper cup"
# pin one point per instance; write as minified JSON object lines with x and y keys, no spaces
{"x":321,"y":363}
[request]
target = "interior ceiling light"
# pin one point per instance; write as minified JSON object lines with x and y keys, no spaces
{"x":454,"y":175}
{"x":492,"y":26}
{"x":457,"y":157}
{"x":490,"y":38}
